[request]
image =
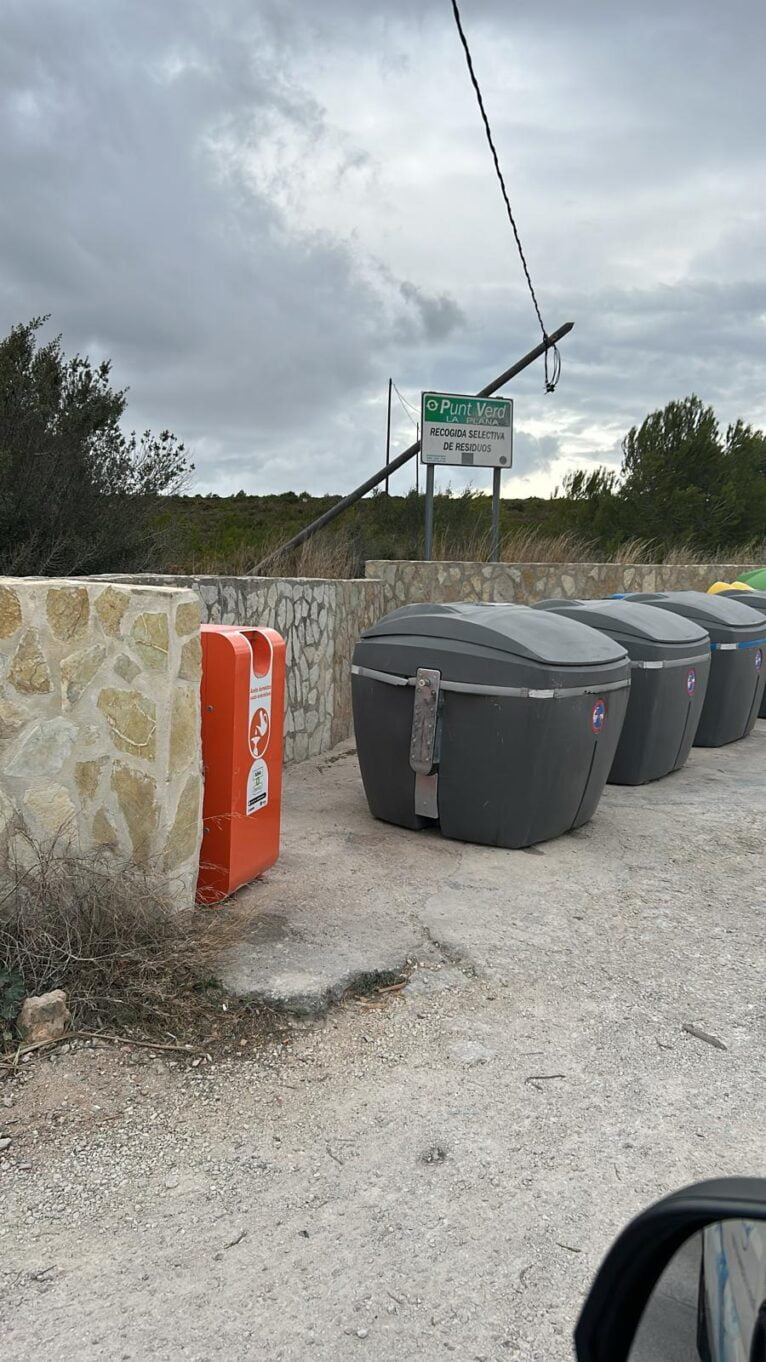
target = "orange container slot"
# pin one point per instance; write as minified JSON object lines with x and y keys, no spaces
{"x":243,"y":703}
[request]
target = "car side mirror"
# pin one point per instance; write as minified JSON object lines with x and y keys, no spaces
{"x":685,"y":1282}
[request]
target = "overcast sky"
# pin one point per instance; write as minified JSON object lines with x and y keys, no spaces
{"x":261,"y":209}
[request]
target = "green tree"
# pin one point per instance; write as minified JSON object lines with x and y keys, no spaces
{"x":672,"y":474}
{"x":77,"y":494}
{"x":681,"y":482}
{"x":588,"y":505}
{"x":742,"y":499}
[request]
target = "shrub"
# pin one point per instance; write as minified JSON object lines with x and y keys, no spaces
{"x":77,"y":494}
{"x":103,"y":930}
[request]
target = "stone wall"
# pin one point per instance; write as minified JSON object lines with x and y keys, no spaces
{"x":100,"y":720}
{"x":355,"y":611}
{"x":320,"y":621}
{"x":404,"y":583}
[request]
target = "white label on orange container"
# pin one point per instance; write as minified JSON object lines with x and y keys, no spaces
{"x":257,"y":787}
{"x":259,"y":733}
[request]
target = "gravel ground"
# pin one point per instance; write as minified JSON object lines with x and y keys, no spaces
{"x":421,"y":1173}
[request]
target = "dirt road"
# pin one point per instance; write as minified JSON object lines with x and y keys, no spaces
{"x":438,"y":1173}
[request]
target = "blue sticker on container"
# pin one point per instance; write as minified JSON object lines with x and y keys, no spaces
{"x":598,"y":717}
{"x":691,"y":681}
{"x":758,"y":659}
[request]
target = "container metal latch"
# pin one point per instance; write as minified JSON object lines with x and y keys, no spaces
{"x":424,"y":741}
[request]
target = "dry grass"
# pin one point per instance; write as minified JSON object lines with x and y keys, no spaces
{"x":104,"y":931}
{"x":533,"y":546}
{"x":525,"y":545}
{"x":634,"y":551}
{"x":682,"y":555}
{"x":327,"y":555}
{"x":334,"y":554}
{"x":741,"y":554}
{"x":471,"y":548}
{"x":237,"y":563}
{"x":648,"y":551}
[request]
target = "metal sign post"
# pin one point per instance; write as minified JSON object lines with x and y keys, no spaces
{"x":494,"y":553}
{"x":469,"y":432}
{"x":388,"y":434}
{"x":429,"y":531}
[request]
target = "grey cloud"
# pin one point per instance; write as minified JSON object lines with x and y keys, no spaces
{"x":156,"y":162}
{"x":132,"y":219}
{"x":631,"y":352}
{"x":534,"y":453}
{"x":439,"y":315}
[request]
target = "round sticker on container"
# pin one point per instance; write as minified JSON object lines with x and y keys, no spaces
{"x":691,"y":681}
{"x":758,"y":659}
{"x":598,"y":717}
{"x":259,"y":732}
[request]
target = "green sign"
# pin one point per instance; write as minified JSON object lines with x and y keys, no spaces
{"x":469,"y":431}
{"x":484,"y":411}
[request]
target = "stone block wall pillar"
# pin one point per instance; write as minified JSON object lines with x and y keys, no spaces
{"x":100,"y":721}
{"x":320,"y":621}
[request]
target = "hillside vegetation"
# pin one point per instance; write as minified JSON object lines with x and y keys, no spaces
{"x":80,"y":494}
{"x":232,"y":534}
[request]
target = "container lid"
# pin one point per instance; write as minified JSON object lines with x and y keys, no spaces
{"x":630,"y":620}
{"x":749,"y":596}
{"x":756,"y":577}
{"x":717,"y":611}
{"x":514,"y":629}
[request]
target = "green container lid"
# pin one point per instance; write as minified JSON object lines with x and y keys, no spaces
{"x":756,"y":579}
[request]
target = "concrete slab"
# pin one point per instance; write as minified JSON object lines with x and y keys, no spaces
{"x":353,"y":902}
{"x":339,"y":910}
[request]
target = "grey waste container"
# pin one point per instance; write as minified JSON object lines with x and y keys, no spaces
{"x":670,"y":662}
{"x":737,"y":641}
{"x":756,"y":600}
{"x":499,"y":723}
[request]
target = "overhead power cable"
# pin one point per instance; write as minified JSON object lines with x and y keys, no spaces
{"x":407,"y":407}
{"x":552,"y":375}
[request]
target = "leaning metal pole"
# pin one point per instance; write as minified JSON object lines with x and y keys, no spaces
{"x":401,"y":459}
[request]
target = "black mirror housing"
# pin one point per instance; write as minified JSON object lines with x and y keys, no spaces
{"x":625,"y":1281}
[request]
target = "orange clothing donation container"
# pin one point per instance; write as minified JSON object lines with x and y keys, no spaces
{"x":243,"y":710}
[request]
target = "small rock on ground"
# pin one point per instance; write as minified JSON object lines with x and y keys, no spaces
{"x":44,"y":1018}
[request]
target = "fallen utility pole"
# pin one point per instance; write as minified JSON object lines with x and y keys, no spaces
{"x":401,"y":459}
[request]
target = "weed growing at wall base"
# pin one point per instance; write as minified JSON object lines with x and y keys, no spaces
{"x":103,"y":930}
